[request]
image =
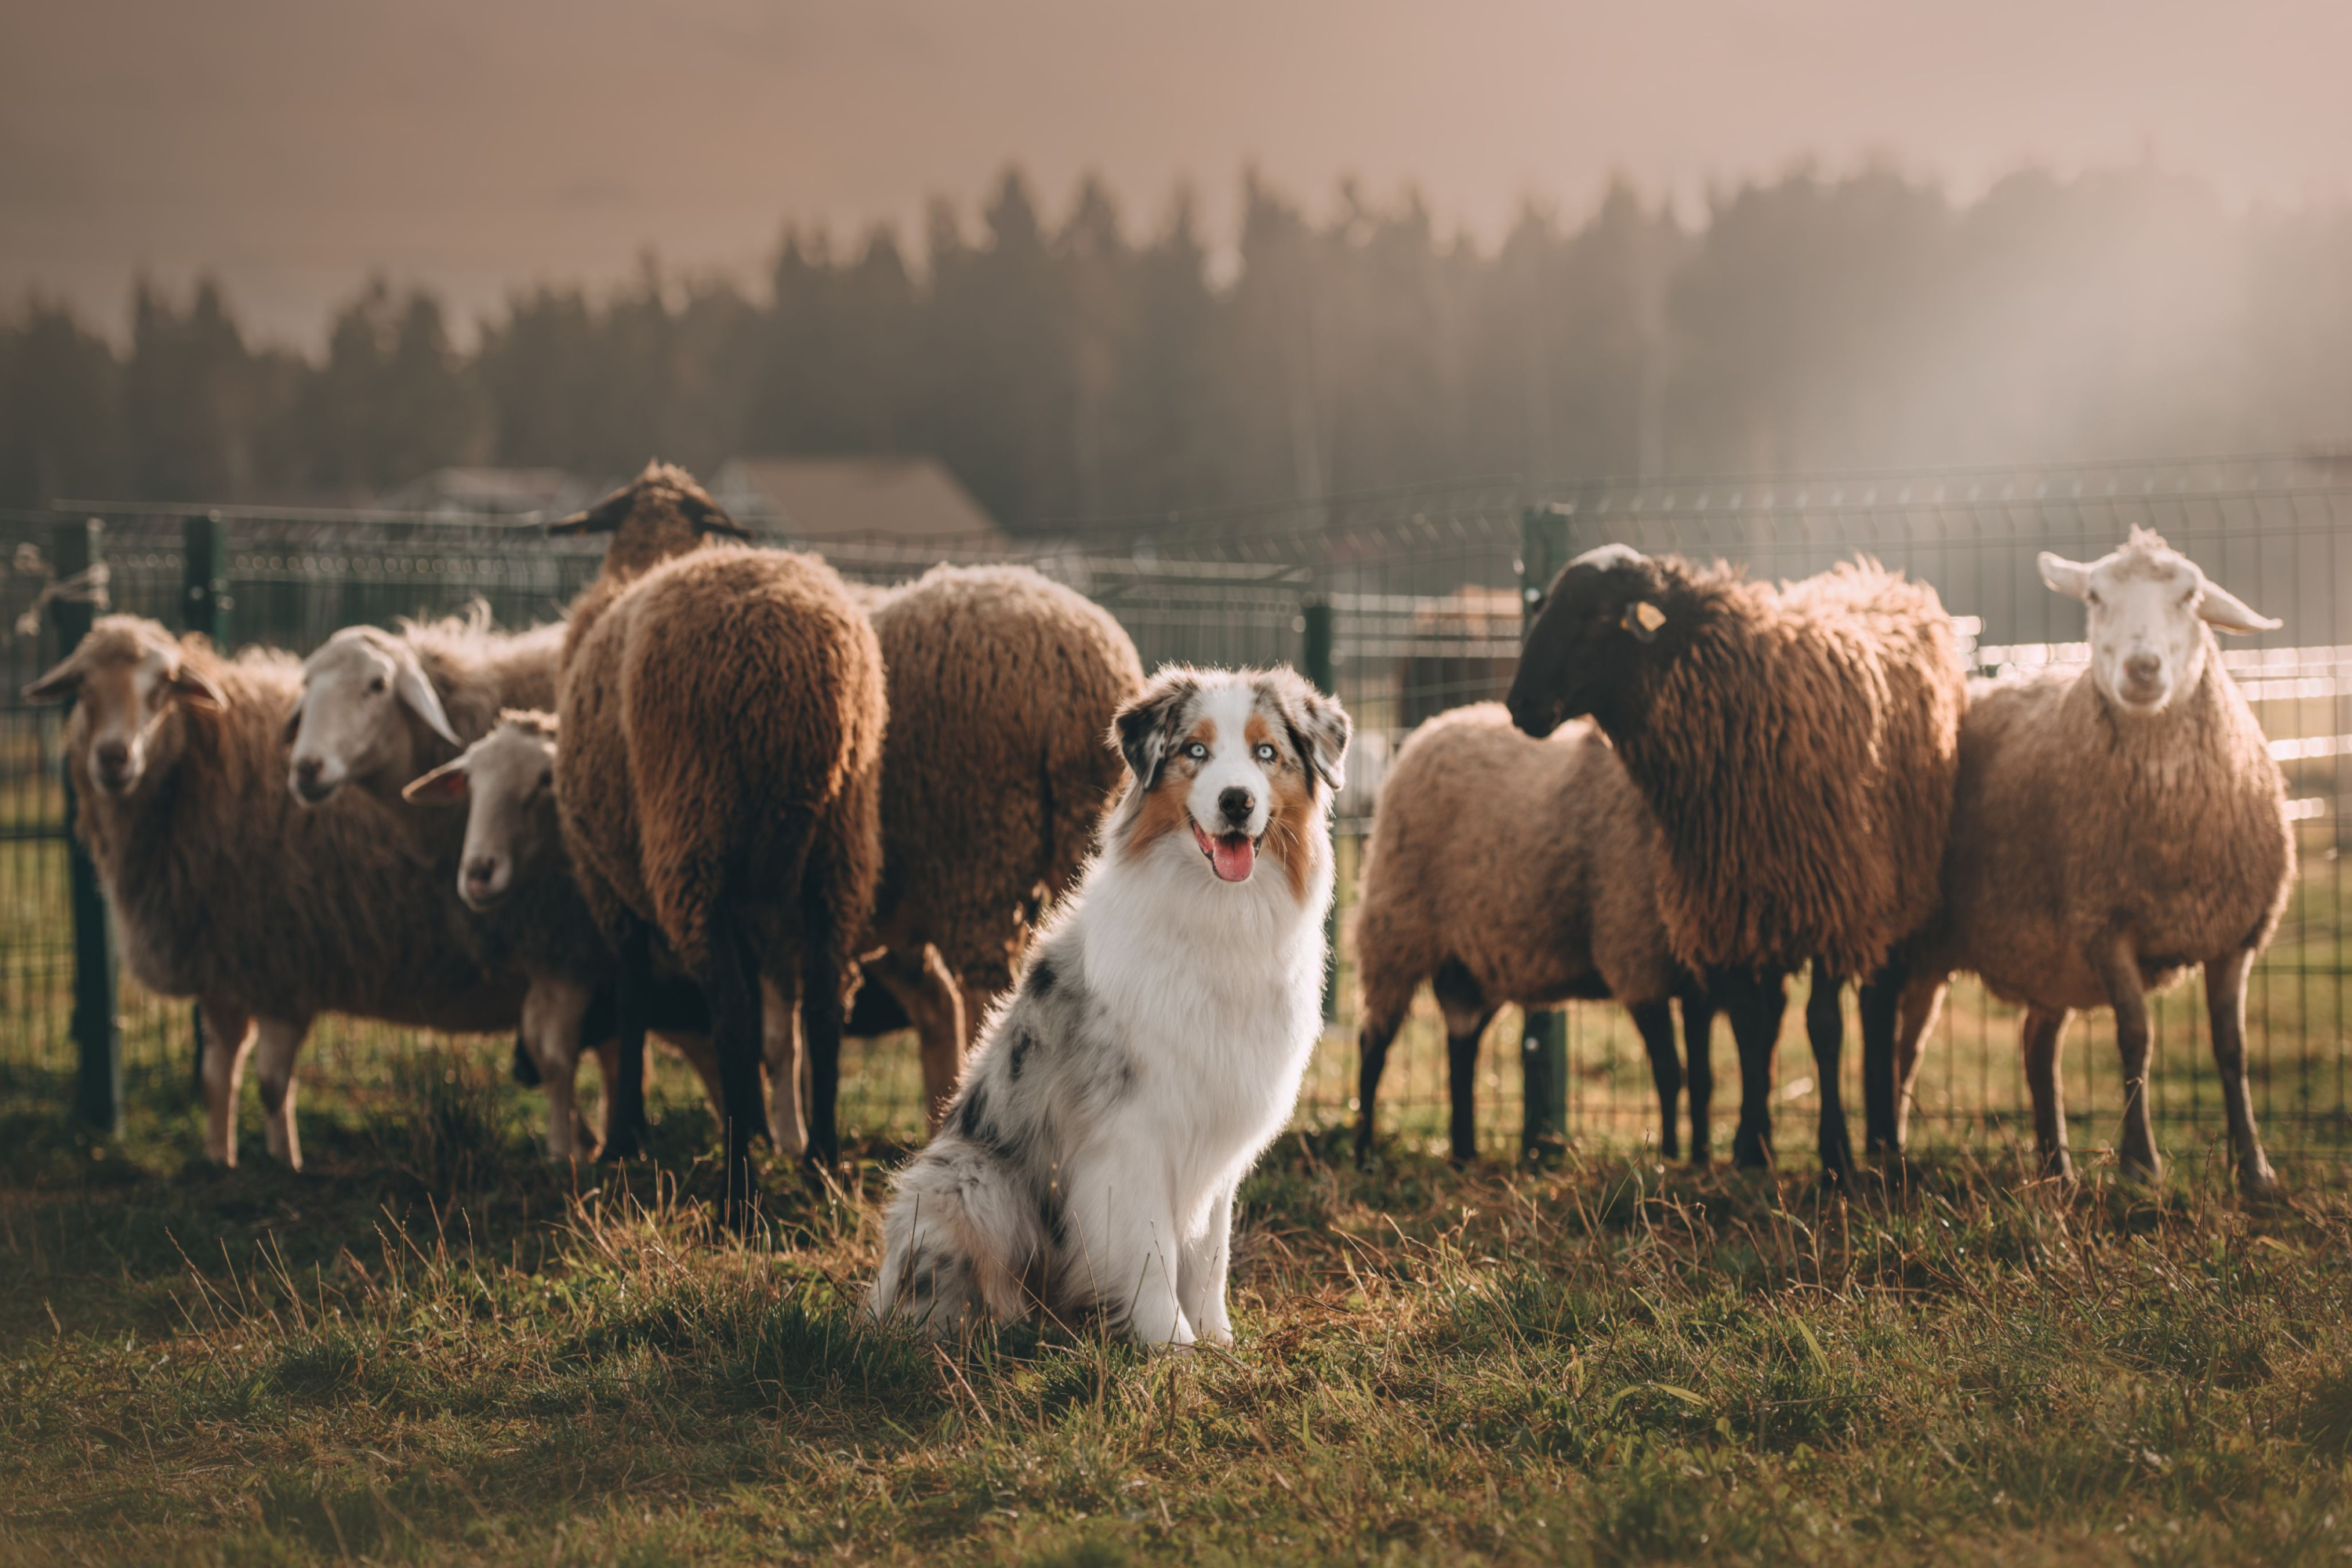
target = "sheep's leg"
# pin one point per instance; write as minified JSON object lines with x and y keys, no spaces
{"x":779,"y":1043}
{"x":1825,"y":1027}
{"x":1880,"y":1007}
{"x":822,"y":1015}
{"x":1755,"y":1003}
{"x":1468,"y":1012}
{"x":2044,"y":1041}
{"x":553,"y":1013}
{"x":228,"y":1040}
{"x":624,"y":1091}
{"x":735,"y":1036}
{"x":1698,"y":1054}
{"x":934,"y":1004}
{"x":1655,"y":1022}
{"x":1914,"y":1016}
{"x":281,"y":1040}
{"x":2225,"y":1003}
{"x":1382,"y":1021}
{"x":696,"y":1049}
{"x":2118,"y":967}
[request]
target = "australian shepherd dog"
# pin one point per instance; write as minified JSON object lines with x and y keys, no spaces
{"x":1157,"y":1040}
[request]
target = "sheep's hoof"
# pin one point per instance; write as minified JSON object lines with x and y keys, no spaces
{"x":1751,"y":1152}
{"x":2261,"y":1184}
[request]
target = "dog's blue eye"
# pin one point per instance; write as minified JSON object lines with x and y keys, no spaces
{"x":1197,"y":752}
{"x":1266,"y":751}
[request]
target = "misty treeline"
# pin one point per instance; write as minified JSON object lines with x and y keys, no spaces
{"x":1078,"y":367}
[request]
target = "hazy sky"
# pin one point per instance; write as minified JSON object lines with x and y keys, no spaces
{"x":293,"y":146}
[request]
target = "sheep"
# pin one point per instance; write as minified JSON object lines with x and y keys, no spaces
{"x":2111,"y":828}
{"x":1505,"y":869}
{"x":379,"y":708}
{"x":722,"y":710}
{"x":225,"y":890}
{"x":513,"y":873}
{"x":1798,"y":748}
{"x":1002,"y":686}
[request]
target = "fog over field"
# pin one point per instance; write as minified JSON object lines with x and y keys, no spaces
{"x":293,"y":148}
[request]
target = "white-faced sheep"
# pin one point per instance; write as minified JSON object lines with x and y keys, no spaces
{"x":514,"y":875}
{"x":722,"y":711}
{"x":2112,"y":827}
{"x":1507,"y":869}
{"x":226,"y":890}
{"x":1002,"y":686}
{"x":1798,"y":748}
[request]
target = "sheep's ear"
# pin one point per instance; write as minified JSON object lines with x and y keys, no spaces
{"x":59,"y":683}
{"x":2221,"y":609}
{"x":2072,"y":578}
{"x":293,"y":724}
{"x":444,"y":785}
{"x":1318,"y":726}
{"x":605,"y":517}
{"x":422,"y":700}
{"x":1148,"y":727}
{"x":197,"y":688}
{"x":708,"y":517}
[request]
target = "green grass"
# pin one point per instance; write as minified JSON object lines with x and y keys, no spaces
{"x":431,"y":1345}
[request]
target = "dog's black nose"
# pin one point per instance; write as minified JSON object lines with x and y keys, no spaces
{"x":1237,"y":803}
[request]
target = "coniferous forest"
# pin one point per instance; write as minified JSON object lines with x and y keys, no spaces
{"x":1072,"y":361}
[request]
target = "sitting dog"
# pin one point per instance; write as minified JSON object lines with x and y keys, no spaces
{"x":1157,"y":1040}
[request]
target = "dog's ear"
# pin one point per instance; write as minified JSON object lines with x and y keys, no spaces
{"x":1147,"y":729}
{"x":1318,"y":726}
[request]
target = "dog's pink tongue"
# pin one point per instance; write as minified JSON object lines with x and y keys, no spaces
{"x":1232,"y":855}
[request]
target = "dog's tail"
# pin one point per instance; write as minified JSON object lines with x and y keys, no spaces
{"x":959,"y":1242}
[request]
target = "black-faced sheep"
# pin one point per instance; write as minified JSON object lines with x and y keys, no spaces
{"x":722,"y":711}
{"x":2111,"y":828}
{"x":1507,"y":869}
{"x":1002,"y":686}
{"x":514,"y":875}
{"x":226,"y":890}
{"x":1798,"y":748}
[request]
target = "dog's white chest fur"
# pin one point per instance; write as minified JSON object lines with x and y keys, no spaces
{"x":1219,"y":990}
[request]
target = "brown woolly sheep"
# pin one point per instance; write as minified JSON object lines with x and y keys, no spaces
{"x":1798,"y":747}
{"x":226,"y":890}
{"x":723,"y":709}
{"x":1507,"y":869}
{"x":513,"y":874}
{"x":1002,"y":687}
{"x":2111,"y":828}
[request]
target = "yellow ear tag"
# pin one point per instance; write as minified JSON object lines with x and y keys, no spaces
{"x":1650,"y":616}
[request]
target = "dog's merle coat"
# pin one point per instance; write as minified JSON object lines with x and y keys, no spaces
{"x":1156,"y":1041}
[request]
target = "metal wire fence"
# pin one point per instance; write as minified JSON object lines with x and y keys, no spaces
{"x":1405,"y":603}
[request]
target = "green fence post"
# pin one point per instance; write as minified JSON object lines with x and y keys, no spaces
{"x":1543,"y":1042}
{"x":1314,"y":663}
{"x":204,"y":606}
{"x":75,"y":548}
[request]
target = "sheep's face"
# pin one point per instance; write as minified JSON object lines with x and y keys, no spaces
{"x":505,"y":781}
{"x":2148,"y":608}
{"x":359,"y":693}
{"x":126,"y":680}
{"x":1228,"y":763}
{"x":1600,"y":625}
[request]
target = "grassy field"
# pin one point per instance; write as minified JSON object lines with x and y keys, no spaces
{"x":432,"y":1346}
